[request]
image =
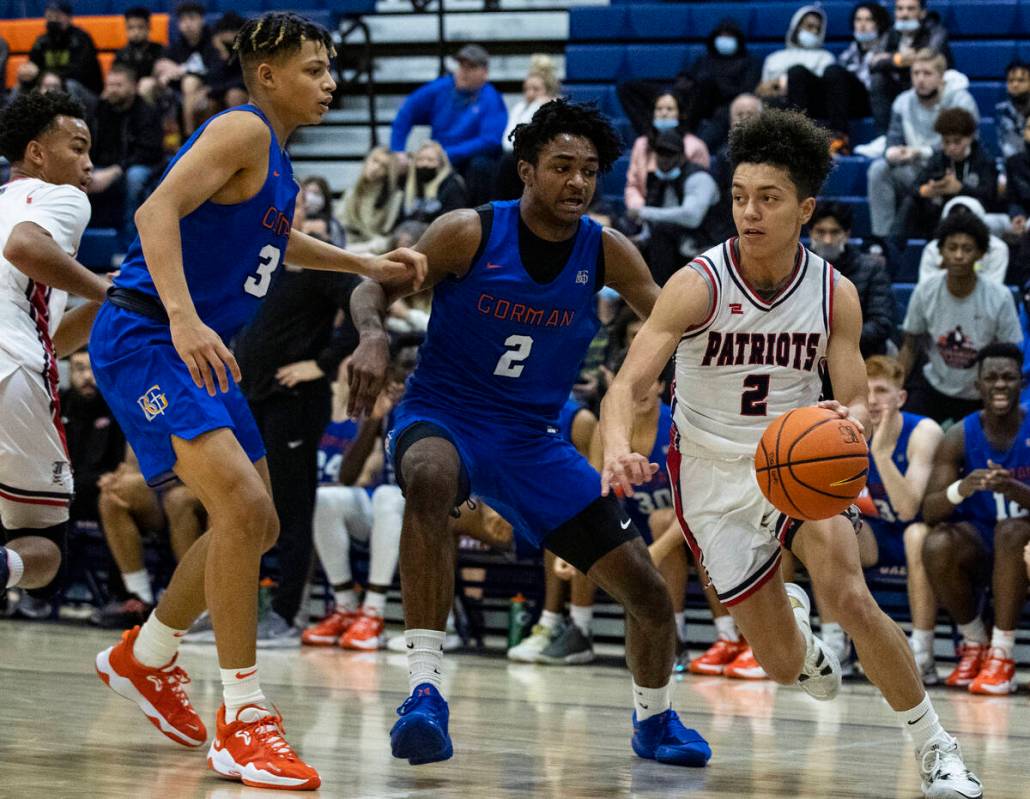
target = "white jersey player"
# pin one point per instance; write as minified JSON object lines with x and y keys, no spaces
{"x":43,"y":213}
{"x":751,"y":323}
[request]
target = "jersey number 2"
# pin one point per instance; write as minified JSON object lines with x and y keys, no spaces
{"x":510,"y":364}
{"x":756,"y":392}
{"x":268,"y":260}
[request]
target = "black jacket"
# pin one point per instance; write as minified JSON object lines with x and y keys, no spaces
{"x":96,"y":445}
{"x":72,"y":55}
{"x":1017,"y":190}
{"x":128,"y":138}
{"x":978,"y":174}
{"x":450,"y":195}
{"x":931,"y":35}
{"x":141,"y":57}
{"x":732,"y":75}
{"x":875,"y":296}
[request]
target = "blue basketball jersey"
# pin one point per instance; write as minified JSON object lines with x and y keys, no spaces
{"x":655,"y":494}
{"x":567,"y":416}
{"x":331,"y":448}
{"x":230,"y":253}
{"x":888,"y":520}
{"x":983,"y":508}
{"x":501,"y":345}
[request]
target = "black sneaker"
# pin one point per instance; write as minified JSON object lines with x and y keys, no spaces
{"x":121,"y":615}
{"x":568,"y":647}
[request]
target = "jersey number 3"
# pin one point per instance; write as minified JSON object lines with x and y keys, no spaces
{"x":510,"y":364}
{"x":268,"y":259}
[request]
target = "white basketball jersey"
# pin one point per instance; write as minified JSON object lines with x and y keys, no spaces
{"x":752,"y":359}
{"x":29,"y":311}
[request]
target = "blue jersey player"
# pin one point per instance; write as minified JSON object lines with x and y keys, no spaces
{"x":979,"y":503}
{"x":512,"y":317}
{"x":901,"y":454}
{"x":211,"y":239}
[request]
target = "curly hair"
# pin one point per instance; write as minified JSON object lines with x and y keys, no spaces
{"x":277,"y":34}
{"x":786,"y":139}
{"x":31,"y":115}
{"x":999,"y":349}
{"x":968,"y":223}
{"x":955,"y":122}
{"x":575,"y":119}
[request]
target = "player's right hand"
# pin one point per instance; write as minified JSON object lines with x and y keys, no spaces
{"x":399,"y":266}
{"x":622,"y":472}
{"x":204,"y":352}
{"x":367,"y":374}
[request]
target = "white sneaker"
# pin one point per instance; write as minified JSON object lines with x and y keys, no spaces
{"x":820,"y":676}
{"x":944,"y":774}
{"x":528,"y":650}
{"x":927,"y":666}
{"x":840,"y":644}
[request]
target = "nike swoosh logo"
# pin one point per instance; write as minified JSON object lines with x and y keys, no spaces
{"x":411,"y":646}
{"x":294,"y":444}
{"x":918,"y":719}
{"x":242,"y":675}
{"x":494,"y":266}
{"x":643,"y":706}
{"x":180,"y":635}
{"x":625,"y":525}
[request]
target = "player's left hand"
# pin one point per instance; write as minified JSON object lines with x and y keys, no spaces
{"x":843,"y":411}
{"x":367,"y":374}
{"x":623,"y":472}
{"x":299,"y":372}
{"x":398,"y":266}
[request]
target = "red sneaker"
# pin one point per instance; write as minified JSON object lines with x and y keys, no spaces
{"x":157,"y":692}
{"x":366,"y":634}
{"x":997,"y":675}
{"x":970,"y":660}
{"x":718,"y":656}
{"x":253,"y":750}
{"x":329,"y":631}
{"x":745,"y":667}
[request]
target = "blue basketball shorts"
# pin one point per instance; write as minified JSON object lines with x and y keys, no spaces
{"x":889,"y":541}
{"x":527,"y":473}
{"x":153,"y":397}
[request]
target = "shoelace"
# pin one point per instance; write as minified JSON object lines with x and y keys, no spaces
{"x":968,"y":655}
{"x":270,"y":733}
{"x":176,"y":678}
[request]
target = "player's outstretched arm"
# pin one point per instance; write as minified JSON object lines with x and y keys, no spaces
{"x":626,"y":271}
{"x":35,"y":253}
{"x":684,"y":302}
{"x":449,"y":245}
{"x":906,"y":491}
{"x":844,"y":358}
{"x":308,"y":252}
{"x":73,"y":332}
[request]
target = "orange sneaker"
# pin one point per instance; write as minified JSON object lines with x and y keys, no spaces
{"x":997,"y":675}
{"x":718,"y":656}
{"x":366,"y":634}
{"x":970,"y":660}
{"x":745,"y":667}
{"x":329,"y":631}
{"x":157,"y":692}
{"x":253,"y":750}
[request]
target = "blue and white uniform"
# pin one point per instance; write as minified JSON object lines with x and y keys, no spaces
{"x":656,"y":494}
{"x":888,"y":528}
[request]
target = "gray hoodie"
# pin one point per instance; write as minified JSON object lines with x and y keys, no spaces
{"x":816,"y":59}
{"x":912,"y":123}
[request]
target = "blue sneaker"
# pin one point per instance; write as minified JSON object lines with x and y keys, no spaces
{"x":665,"y":739}
{"x":420,"y":735}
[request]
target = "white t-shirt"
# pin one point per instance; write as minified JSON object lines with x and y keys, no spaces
{"x":30,"y":312}
{"x":957,"y":329}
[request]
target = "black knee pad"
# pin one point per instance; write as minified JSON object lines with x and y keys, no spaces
{"x":59,"y":535}
{"x":600,"y":527}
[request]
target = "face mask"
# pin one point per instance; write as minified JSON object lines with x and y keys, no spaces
{"x":1020,"y":99}
{"x":864,"y":37}
{"x":726,"y":45}
{"x":808,"y":40}
{"x":313,"y":201}
{"x":424,"y":174}
{"x":830,"y":252}
{"x":672,"y":174}
{"x":55,"y":30}
{"x":665,"y":124}
{"x":906,"y":25}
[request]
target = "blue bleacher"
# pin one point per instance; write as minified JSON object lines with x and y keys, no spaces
{"x":97,"y":248}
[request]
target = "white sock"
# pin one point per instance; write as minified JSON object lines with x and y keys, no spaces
{"x":681,"y":626}
{"x":1005,"y":641}
{"x":582,"y":616}
{"x":346,"y":599}
{"x":974,"y":632}
{"x":922,"y":640}
{"x":156,"y":643}
{"x":241,"y":687}
{"x":651,"y":701}
{"x":726,"y":628}
{"x":921,"y":723}
{"x":831,"y":629}
{"x":425,"y":657}
{"x":549,"y":619}
{"x":138,"y":583}
{"x":449,"y":626}
{"x":15,"y":568}
{"x":374,"y":604}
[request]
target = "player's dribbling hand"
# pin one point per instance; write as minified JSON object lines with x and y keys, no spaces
{"x":204,"y":352}
{"x":366,"y":374}
{"x":398,"y":266}
{"x":623,"y":472}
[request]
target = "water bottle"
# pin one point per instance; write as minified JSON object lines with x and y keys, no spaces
{"x":518,"y":620}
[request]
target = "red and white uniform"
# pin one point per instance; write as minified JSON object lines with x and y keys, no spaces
{"x":750,"y":361}
{"x":35,"y":475}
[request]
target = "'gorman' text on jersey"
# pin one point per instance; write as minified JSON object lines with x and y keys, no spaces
{"x":502,"y":343}
{"x":752,"y":359}
{"x":230,"y":253}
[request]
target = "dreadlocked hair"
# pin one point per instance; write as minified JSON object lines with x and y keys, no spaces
{"x":574,"y":119}
{"x":29,"y":116}
{"x":276,"y":34}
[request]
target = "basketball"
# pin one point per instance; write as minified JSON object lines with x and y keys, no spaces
{"x":811,"y":464}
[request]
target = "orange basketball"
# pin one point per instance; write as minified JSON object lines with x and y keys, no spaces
{"x":811,"y":464}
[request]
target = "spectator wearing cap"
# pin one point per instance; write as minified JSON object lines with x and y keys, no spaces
{"x":67,"y":50}
{"x":467,"y":116}
{"x":676,"y":211}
